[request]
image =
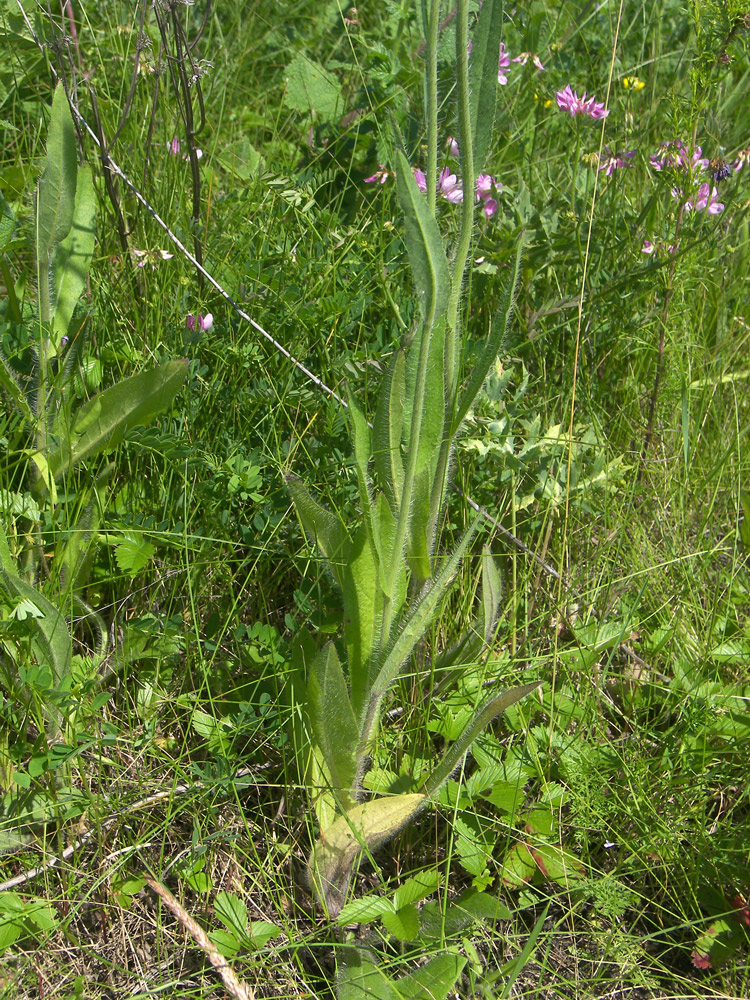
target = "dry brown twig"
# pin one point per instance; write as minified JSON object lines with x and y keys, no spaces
{"x":240,"y":991}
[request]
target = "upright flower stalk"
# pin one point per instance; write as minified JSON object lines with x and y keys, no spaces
{"x":431,"y":100}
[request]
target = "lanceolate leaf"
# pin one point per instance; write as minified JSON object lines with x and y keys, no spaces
{"x":101,"y":423}
{"x":410,"y":632}
{"x":364,"y":827}
{"x":483,"y":78}
{"x":326,"y":529}
{"x":14,"y":391}
{"x":492,"y":592}
{"x":55,"y":197}
{"x":423,"y":244}
{"x":363,"y":609}
{"x":496,"y":705}
{"x":362,"y":452}
{"x":494,"y":340}
{"x":388,"y":430}
{"x":332,"y":720}
{"x":72,"y":257}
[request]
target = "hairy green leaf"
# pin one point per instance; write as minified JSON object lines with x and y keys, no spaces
{"x":327,"y":530}
{"x":333,"y":723}
{"x":364,"y":827}
{"x":495,"y":706}
{"x":55,"y":197}
{"x":72,"y":257}
{"x":388,"y":429}
{"x":423,"y":244}
{"x":101,"y":423}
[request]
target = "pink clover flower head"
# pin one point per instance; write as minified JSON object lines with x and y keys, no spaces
{"x":568,"y":100}
{"x":174,"y":146}
{"x":610,"y":161}
{"x":450,"y":187}
{"x":379,"y":177}
{"x":421,"y":180}
{"x":503,"y":65}
{"x":200,"y":322}
{"x":525,"y":56}
{"x":452,"y":145}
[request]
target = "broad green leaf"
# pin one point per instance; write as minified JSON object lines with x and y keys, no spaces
{"x":312,"y":89}
{"x":417,"y":887}
{"x":72,"y":257}
{"x":404,"y":923}
{"x":102,"y":422}
{"x":518,"y":866}
{"x":364,"y":910}
{"x":134,"y":553}
{"x":483,"y":78}
{"x":56,"y":192}
{"x":327,"y":530}
{"x":363,"y":610}
{"x":417,"y":543}
{"x":388,"y":429}
{"x":364,"y":827}
{"x":494,"y":343}
{"x":260,"y":932}
{"x":232,"y":912}
{"x":333,"y":723}
{"x":433,"y":981}
{"x":495,"y":706}
{"x":423,"y":244}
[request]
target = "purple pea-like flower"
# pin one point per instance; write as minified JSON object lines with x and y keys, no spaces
{"x":200,"y":322}
{"x":503,"y":66}
{"x":613,"y":161}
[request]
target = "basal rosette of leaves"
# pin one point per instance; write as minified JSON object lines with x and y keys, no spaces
{"x":386,"y":556}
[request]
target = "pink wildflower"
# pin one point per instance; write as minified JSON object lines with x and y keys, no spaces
{"x":484,"y":187}
{"x":613,"y":161}
{"x":453,"y":147}
{"x":450,"y":186}
{"x":525,"y":56}
{"x":743,"y":159}
{"x":503,"y":65}
{"x":707,"y":201}
{"x":421,"y":180}
{"x":379,"y":177}
{"x":200,"y":322}
{"x":675,"y":154}
{"x":174,"y":147}
{"x":568,"y":100}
